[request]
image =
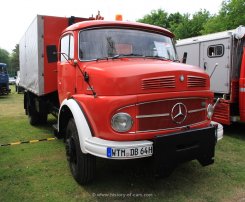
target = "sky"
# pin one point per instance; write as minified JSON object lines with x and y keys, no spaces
{"x":17,"y":15}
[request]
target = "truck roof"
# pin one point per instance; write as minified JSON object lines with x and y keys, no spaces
{"x":102,"y":23}
{"x":208,"y":37}
{"x":239,"y":32}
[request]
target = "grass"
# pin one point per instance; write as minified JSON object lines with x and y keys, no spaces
{"x":39,"y":171}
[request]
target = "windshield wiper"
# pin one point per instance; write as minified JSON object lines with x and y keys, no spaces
{"x":102,"y":58}
{"x":157,"y":57}
{"x":119,"y":56}
{"x":127,"y":55}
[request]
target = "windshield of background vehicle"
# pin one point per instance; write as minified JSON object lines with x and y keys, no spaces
{"x":3,"y":69}
{"x":108,"y":43}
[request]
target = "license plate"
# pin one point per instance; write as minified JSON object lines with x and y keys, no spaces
{"x":129,"y":152}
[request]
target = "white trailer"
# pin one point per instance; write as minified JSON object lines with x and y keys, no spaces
{"x":220,"y":55}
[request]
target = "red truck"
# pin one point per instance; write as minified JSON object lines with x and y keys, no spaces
{"x":118,"y":92}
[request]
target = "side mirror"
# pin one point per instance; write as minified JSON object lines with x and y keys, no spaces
{"x":184,"y":57}
{"x":51,"y":51}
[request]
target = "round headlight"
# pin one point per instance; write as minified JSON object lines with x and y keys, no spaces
{"x":121,"y":122}
{"x":210,"y":111}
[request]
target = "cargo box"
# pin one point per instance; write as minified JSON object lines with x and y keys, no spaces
{"x":36,"y":74}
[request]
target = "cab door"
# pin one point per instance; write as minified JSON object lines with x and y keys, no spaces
{"x":66,"y":71}
{"x":217,"y":52}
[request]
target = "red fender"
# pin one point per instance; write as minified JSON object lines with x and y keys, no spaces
{"x":242,"y":88}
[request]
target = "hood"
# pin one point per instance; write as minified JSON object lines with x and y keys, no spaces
{"x":139,"y":76}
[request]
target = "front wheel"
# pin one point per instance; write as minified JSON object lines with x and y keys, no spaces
{"x":82,"y":165}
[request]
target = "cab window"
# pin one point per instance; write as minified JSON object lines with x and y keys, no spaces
{"x":216,"y":50}
{"x":67,"y":48}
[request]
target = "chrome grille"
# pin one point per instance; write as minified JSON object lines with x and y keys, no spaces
{"x":158,"y":82}
{"x":153,"y":116}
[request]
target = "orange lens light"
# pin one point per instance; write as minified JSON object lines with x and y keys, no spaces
{"x":119,"y":17}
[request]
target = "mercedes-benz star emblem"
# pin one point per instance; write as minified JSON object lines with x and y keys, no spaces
{"x":179,"y":113}
{"x":181,"y":78}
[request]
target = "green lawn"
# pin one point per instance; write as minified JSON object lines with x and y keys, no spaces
{"x":39,"y":171}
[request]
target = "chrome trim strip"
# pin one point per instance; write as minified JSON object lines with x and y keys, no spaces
{"x":152,"y":115}
{"x":242,"y":90}
{"x":189,"y":98}
{"x":196,"y":110}
{"x":133,"y":105}
{"x":145,"y":131}
{"x":167,"y":114}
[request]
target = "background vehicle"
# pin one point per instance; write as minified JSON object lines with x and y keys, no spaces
{"x":18,"y":88}
{"x":222,"y":56}
{"x":12,"y":80}
{"x":117,"y":93}
{"x":4,"y":79}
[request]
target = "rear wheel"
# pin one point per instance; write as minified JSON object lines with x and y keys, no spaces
{"x":82,"y":165}
{"x":35,"y":117}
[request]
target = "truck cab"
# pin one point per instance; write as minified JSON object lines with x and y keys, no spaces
{"x":4,"y":79}
{"x":132,"y":92}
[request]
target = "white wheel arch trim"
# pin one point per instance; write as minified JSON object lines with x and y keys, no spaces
{"x":93,"y":145}
{"x":80,"y":121}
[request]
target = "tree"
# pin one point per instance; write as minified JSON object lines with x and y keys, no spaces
{"x":230,"y":16}
{"x":198,"y":21}
{"x":182,"y":29}
{"x":156,"y":17}
{"x":14,"y":60}
{"x":182,"y":26}
{"x":4,"y":56}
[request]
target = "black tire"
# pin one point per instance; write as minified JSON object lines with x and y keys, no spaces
{"x":33,"y":116}
{"x":43,"y":118}
{"x":82,"y":165}
{"x":205,"y":161}
{"x":36,"y":118}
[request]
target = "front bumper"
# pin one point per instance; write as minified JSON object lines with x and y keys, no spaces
{"x":170,"y":150}
{"x":193,"y":144}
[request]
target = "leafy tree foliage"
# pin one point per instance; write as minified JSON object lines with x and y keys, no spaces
{"x":198,"y":22}
{"x":181,"y":25}
{"x":14,"y":60}
{"x":156,"y":17}
{"x":230,"y":16}
{"x":4,"y":56}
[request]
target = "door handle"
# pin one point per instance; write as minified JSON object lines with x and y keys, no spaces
{"x":205,"y":66}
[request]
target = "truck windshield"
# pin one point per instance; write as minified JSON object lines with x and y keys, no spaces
{"x":112,"y":43}
{"x":3,"y":69}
